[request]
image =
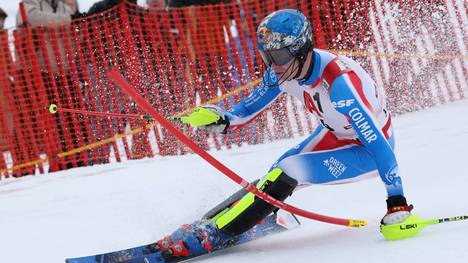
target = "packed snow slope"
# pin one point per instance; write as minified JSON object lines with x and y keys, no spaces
{"x":45,"y":219}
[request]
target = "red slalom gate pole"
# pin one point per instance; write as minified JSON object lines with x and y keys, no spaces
{"x":129,"y":90}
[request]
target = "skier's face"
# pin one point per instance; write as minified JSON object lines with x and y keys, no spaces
{"x":282,"y":62}
{"x":287,"y":71}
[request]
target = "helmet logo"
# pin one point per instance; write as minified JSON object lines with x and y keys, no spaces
{"x":273,"y":40}
{"x":263,"y":34}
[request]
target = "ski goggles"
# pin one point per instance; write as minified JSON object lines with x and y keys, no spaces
{"x":279,"y":57}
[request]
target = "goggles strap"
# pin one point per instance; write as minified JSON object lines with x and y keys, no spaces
{"x":302,"y":56}
{"x":292,"y":71}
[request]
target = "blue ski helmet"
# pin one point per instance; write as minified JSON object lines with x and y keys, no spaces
{"x":283,"y":35}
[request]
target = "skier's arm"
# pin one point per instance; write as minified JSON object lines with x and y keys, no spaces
{"x":360,"y":115}
{"x":216,"y":119}
{"x":256,"y":102}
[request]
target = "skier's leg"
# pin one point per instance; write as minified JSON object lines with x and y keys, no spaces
{"x":218,"y":230}
{"x":342,"y":165}
{"x":227,"y":203}
{"x":324,"y":159}
{"x":320,"y":140}
{"x":243,"y":210}
{"x":250,"y":209}
{"x":305,"y":145}
{"x":232,"y":217}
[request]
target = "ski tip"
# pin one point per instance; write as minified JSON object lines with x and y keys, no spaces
{"x":357,"y":223}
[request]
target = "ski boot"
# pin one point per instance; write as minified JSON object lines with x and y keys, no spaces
{"x":191,"y":240}
{"x":160,"y":245}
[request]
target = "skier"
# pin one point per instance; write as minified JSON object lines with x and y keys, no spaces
{"x":354,"y":141}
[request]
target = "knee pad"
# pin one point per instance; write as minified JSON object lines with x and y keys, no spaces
{"x":250,"y":209}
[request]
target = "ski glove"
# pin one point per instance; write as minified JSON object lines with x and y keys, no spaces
{"x":209,"y":117}
{"x":399,"y":222}
{"x":397,"y":210}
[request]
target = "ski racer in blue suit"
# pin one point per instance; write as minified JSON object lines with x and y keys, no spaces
{"x":353,"y":141}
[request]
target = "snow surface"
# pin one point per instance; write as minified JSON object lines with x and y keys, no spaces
{"x":103,"y":208}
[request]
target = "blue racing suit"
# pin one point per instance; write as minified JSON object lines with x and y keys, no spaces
{"x":353,"y":141}
{"x":355,"y":137}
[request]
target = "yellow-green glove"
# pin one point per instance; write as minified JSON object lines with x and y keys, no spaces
{"x":399,"y":223}
{"x":209,"y":117}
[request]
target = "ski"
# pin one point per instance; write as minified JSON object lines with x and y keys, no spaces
{"x":275,"y":223}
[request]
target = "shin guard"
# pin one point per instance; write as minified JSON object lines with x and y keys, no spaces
{"x":224,"y":206}
{"x":250,"y":209}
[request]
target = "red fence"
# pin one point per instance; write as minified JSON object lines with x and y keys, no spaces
{"x":188,"y":56}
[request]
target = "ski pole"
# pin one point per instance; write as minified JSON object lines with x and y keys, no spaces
{"x":130,"y":91}
{"x":53,"y":108}
{"x":413,"y":225}
{"x":448,"y":219}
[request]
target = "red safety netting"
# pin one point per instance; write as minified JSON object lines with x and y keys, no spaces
{"x":183,"y":57}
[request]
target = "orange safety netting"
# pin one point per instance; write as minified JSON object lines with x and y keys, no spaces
{"x":183,"y":57}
